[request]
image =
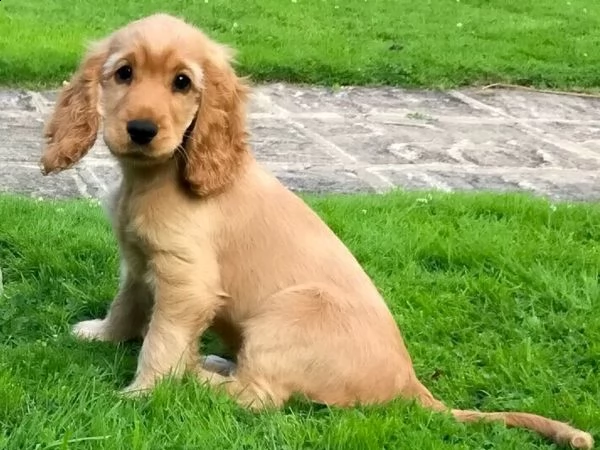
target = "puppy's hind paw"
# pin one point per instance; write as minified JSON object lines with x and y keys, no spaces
{"x":216,"y":364}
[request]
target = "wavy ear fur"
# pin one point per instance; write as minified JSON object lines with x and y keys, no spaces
{"x":73,"y":127}
{"x":216,"y":146}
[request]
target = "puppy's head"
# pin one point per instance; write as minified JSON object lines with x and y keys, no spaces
{"x":164,"y":91}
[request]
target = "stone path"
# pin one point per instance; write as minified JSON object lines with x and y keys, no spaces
{"x":361,"y":139}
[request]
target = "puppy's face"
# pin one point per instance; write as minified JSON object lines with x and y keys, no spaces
{"x":151,"y":88}
{"x":162,"y":88}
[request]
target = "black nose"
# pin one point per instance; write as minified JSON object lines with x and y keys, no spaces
{"x":141,"y":131}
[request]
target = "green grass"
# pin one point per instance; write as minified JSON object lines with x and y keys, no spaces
{"x":427,"y":43}
{"x":497,"y":297}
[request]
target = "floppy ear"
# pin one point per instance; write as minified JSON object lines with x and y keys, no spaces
{"x":217,"y":143}
{"x":73,"y":126}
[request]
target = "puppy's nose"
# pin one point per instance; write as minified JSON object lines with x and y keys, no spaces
{"x":141,"y":131}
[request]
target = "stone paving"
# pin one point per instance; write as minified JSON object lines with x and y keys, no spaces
{"x":364,"y":139}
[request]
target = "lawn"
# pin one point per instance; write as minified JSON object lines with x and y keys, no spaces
{"x":497,"y":296}
{"x":434,"y":43}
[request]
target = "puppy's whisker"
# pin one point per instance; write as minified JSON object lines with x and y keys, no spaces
{"x":183,"y":152}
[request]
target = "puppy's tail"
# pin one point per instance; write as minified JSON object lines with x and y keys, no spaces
{"x":560,"y":432}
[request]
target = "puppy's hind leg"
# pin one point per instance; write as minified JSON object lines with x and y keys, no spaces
{"x":255,"y":394}
{"x":300,"y":342}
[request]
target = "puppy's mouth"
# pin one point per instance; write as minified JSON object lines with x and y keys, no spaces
{"x":141,"y":154}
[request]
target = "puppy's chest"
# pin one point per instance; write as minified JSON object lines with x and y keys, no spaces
{"x":145,"y":224}
{"x":134,"y":247}
{"x":138,"y":233}
{"x":154,"y":224}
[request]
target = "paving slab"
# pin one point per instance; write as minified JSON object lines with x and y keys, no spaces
{"x":359,"y":139}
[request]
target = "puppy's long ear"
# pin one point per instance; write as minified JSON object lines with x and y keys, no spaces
{"x":73,"y":127}
{"x":217,"y":143}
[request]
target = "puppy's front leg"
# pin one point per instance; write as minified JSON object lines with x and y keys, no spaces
{"x":128,"y":314}
{"x":187,"y":297}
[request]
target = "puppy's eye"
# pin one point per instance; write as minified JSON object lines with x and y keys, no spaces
{"x":181,"y":83}
{"x":124,"y":74}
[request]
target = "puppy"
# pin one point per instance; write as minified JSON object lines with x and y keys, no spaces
{"x":208,"y":239}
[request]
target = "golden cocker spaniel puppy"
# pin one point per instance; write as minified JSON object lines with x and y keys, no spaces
{"x":208,"y":239}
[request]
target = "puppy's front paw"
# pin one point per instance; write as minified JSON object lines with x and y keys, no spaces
{"x":92,"y":330}
{"x":135,"y":390}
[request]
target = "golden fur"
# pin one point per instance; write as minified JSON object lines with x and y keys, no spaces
{"x":210,"y":239}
